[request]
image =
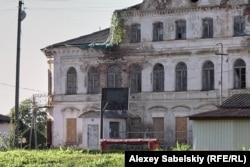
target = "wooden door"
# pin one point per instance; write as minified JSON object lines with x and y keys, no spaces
{"x":71,"y":131}
{"x":181,"y":129}
{"x":158,"y":128}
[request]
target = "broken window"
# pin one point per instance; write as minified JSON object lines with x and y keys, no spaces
{"x":114,"y":77}
{"x":135,"y":79}
{"x":158,"y":78}
{"x":158,"y":31}
{"x":114,"y":129}
{"x":208,"y":76}
{"x":71,"y":81}
{"x":180,"y":29}
{"x":181,"y":77}
{"x":239,"y":25}
{"x":136,"y":33}
{"x":93,"y":80}
{"x":207,"y":28}
{"x":239,"y":74}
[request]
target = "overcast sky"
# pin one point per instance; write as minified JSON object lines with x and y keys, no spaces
{"x":47,"y":22}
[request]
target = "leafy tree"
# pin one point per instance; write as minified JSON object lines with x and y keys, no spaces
{"x":26,"y":113}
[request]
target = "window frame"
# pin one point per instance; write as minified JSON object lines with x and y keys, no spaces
{"x":158,"y":78}
{"x":239,"y":74}
{"x":93,"y":80}
{"x":135,"y":78}
{"x":180,"y":30}
{"x":114,"y":77}
{"x":158,"y":31}
{"x":239,"y":25}
{"x":207,"y":28}
{"x":208,"y":76}
{"x":135,"y":33}
{"x":71,"y":81}
{"x":181,"y":77}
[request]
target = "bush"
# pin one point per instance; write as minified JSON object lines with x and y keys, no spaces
{"x":181,"y":147}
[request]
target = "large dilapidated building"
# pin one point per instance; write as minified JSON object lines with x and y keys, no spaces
{"x":177,"y":57}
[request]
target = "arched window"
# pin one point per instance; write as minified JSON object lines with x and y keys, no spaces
{"x":114,"y":77}
{"x":208,"y":76}
{"x":71,"y":81}
{"x":136,"y":33}
{"x":158,"y":78}
{"x":93,"y":80}
{"x":180,"y":29}
{"x":239,"y":74}
{"x":135,"y":79}
{"x":181,"y":77}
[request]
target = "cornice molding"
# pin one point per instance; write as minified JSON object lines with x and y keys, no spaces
{"x":134,"y":13}
{"x":71,"y":51}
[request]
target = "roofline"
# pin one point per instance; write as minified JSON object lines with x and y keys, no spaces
{"x":57,"y":45}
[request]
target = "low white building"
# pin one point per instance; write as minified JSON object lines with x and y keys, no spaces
{"x":226,"y":128}
{"x":178,"y":57}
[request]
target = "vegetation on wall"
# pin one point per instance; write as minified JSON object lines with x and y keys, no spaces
{"x":116,"y":34}
{"x":117,"y":30}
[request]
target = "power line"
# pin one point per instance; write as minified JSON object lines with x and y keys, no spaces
{"x":29,"y":89}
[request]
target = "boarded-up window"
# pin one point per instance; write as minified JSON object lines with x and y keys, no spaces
{"x":158,"y":127}
{"x":71,"y":131}
{"x":181,"y":129}
{"x":135,"y":128}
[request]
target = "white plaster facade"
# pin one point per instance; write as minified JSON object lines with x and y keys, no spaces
{"x":146,"y":105}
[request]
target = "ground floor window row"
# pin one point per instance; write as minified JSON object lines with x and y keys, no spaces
{"x":181,"y":131}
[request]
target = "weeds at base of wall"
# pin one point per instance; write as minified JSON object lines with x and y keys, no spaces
{"x":181,"y":147}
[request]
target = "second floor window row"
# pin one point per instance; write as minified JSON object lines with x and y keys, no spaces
{"x":181,"y":29}
{"x":114,"y":78}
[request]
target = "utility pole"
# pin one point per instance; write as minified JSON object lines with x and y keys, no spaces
{"x":21,"y":16}
{"x":221,"y":70}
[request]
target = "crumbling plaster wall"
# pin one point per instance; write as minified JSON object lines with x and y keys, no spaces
{"x":168,"y":104}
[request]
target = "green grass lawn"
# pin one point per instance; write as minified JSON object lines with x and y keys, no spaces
{"x":60,"y":157}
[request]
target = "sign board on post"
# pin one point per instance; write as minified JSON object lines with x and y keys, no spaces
{"x":113,"y":99}
{"x":117,"y":98}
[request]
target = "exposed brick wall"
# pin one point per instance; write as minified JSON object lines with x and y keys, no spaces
{"x":224,"y":3}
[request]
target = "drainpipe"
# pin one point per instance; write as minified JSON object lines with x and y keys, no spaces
{"x":221,"y":70}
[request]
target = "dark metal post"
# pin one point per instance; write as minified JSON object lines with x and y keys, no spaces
{"x":221,"y":70}
{"x":17,"y":73}
{"x":101,"y":121}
